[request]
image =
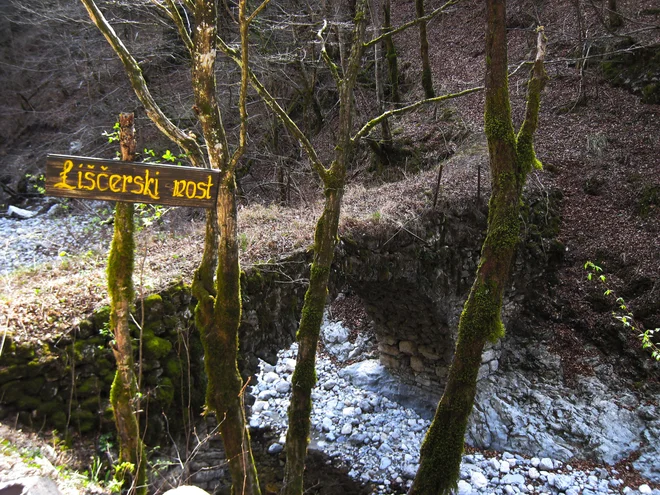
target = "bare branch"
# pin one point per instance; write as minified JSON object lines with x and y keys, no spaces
{"x":537,"y":81}
{"x":174,"y":14}
{"x":390,"y":113}
{"x":273,"y":104}
{"x":334,"y":70}
{"x":257,"y":11}
{"x":242,"y":98}
{"x":414,"y":22}
{"x":186,"y":141}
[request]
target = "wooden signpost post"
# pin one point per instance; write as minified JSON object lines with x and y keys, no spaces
{"x":111,"y":180}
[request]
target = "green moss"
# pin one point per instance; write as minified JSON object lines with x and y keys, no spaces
{"x":28,"y":402}
{"x":12,"y":372}
{"x":59,"y":420}
{"x":85,"y":421}
{"x":11,"y":392}
{"x":527,"y":159}
{"x":173,"y":368}
{"x":90,"y":386}
{"x":32,"y":386}
{"x":122,"y":258}
{"x":101,"y":317}
{"x":155,"y":347}
{"x":153,"y":303}
{"x":91,"y":404}
{"x":480,"y":318}
{"x":304,"y":375}
{"x":165,"y":392}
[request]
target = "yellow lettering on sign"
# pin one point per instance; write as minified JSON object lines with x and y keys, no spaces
{"x":66,"y":168}
{"x":192,"y":190}
{"x":201,"y":186}
{"x":144,"y":182}
{"x":89,"y":177}
{"x":139,"y":181}
{"x":114,"y":183}
{"x":179,"y":186}
{"x":127,"y":178}
{"x":98,"y":182}
{"x":148,"y":182}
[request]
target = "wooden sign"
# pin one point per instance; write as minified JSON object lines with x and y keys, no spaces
{"x":111,"y":180}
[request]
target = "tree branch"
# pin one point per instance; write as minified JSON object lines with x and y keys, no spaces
{"x":174,"y":14}
{"x":257,"y":10}
{"x":244,"y":25}
{"x":537,"y":81}
{"x":390,"y":113}
{"x":186,"y":141}
{"x":414,"y":22}
{"x":334,"y":70}
{"x":273,"y":104}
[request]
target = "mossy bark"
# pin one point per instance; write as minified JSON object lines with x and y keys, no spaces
{"x":325,"y":239}
{"x":220,"y":339}
{"x":304,"y":376}
{"x":427,"y":75}
{"x":511,"y":158}
{"x":124,"y":391}
{"x":218,"y":313}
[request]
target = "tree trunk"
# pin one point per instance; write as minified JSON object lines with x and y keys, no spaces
{"x":615,"y":19}
{"x":123,"y":394}
{"x":304,"y":376}
{"x":511,"y":158}
{"x":390,"y":54}
{"x":325,"y":238}
{"x":427,"y":75}
{"x":218,"y":314}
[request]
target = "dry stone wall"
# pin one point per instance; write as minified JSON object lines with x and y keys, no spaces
{"x":64,"y":382}
{"x":414,"y":283}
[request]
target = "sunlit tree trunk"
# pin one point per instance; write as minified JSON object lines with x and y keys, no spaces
{"x":325,"y":238}
{"x":511,"y":158}
{"x":218,"y":312}
{"x":124,"y":391}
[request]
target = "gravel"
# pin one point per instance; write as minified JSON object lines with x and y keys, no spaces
{"x":49,"y":237}
{"x":380,"y":439}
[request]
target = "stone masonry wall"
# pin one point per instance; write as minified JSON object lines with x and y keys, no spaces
{"x":414,"y":283}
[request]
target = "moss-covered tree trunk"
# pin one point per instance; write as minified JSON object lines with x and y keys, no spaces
{"x":304,"y":376}
{"x":325,"y":239}
{"x":221,"y":319}
{"x":123,"y":394}
{"x":511,"y":158}
{"x":218,"y":314}
{"x":427,"y":75}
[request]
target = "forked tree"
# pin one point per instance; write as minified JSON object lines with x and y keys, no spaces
{"x":219,"y":307}
{"x":512,"y":157}
{"x":333,"y":177}
{"x":218,"y":312}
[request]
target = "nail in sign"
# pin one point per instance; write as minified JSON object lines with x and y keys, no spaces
{"x":111,"y":180}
